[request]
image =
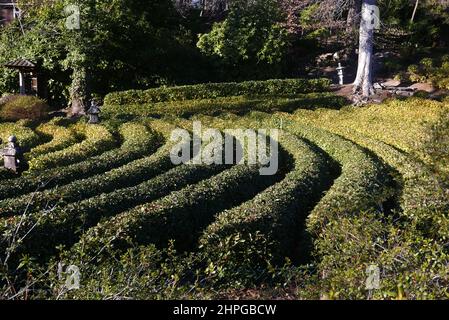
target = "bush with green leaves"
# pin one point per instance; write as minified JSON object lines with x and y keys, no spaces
{"x":26,"y":137}
{"x":24,"y":107}
{"x":61,"y":138}
{"x":181,"y":215}
{"x":252,"y":238}
{"x":138,"y":141}
{"x":237,"y":104}
{"x":218,"y":90}
{"x":251,"y":37}
{"x":97,"y":139}
{"x":365,"y":182}
{"x":62,"y":226}
{"x":129,"y":174}
{"x":428,"y":71}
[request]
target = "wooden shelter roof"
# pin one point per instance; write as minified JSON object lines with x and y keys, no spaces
{"x":20,"y":64}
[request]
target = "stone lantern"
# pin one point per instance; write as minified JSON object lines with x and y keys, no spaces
{"x":93,"y":113}
{"x":340,"y":74}
{"x":12,"y":154}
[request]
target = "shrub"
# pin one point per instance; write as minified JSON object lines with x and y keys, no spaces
{"x":63,"y":224}
{"x":216,"y":90}
{"x":26,"y":137}
{"x":97,"y":140}
{"x":138,"y":141}
{"x":24,"y":107}
{"x":129,"y":174}
{"x":61,"y":138}
{"x":376,"y":128}
{"x":365,"y":182}
{"x":237,"y":104}
{"x":181,"y":215}
{"x":246,"y":240}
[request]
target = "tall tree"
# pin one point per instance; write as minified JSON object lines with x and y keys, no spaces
{"x":368,"y":22}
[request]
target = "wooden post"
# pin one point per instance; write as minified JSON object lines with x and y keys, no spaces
{"x":22,"y":83}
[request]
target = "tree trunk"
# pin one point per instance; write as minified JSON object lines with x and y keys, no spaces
{"x":364,"y":79}
{"x":414,"y":11}
{"x":78,"y":92}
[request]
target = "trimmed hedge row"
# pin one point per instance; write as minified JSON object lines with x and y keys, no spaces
{"x":267,"y":228}
{"x":127,"y":175}
{"x":400,"y":123}
{"x":64,"y":224}
{"x":138,"y":141}
{"x":423,"y":198}
{"x":365,"y":182}
{"x":236,"y":104}
{"x":26,"y":137}
{"x":181,"y":215}
{"x":61,"y":138}
{"x":215,"y":90}
{"x":97,"y":140}
{"x":6,"y":174}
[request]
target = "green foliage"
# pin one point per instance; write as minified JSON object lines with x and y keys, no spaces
{"x":250,"y":36}
{"x":247,"y":241}
{"x":60,"y":136}
{"x":23,"y":107}
{"x":237,"y":104}
{"x":54,"y":230}
{"x":97,"y":140}
{"x":217,"y":90}
{"x":427,"y":71}
{"x":181,"y":215}
{"x":26,"y":137}
{"x":436,"y":145}
{"x":364,"y":182}
{"x":357,"y":187}
{"x":138,"y":141}
{"x":120,"y":45}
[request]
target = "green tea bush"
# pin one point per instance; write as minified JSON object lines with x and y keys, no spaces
{"x":97,"y":140}
{"x":26,"y":137}
{"x":427,"y":71}
{"x":365,"y":182}
{"x":216,"y":90}
{"x":61,"y":138}
{"x":62,"y":226}
{"x":138,"y":141}
{"x":127,"y":175}
{"x":264,"y":230}
{"x":179,"y":216}
{"x":236,"y":104}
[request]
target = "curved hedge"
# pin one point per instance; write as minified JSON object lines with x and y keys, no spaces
{"x":97,"y":140}
{"x":365,"y":182}
{"x":61,"y":138}
{"x":180,"y":215}
{"x":236,"y":104}
{"x":64,"y":224}
{"x":267,"y":228}
{"x":26,"y":137}
{"x":138,"y":141}
{"x":423,"y":198}
{"x":127,"y":175}
{"x":215,"y":90}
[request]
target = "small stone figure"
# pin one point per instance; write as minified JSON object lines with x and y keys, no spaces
{"x":12,"y":155}
{"x":93,"y":112}
{"x":340,"y":74}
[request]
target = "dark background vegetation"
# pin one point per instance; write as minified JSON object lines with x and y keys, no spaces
{"x":138,"y":44}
